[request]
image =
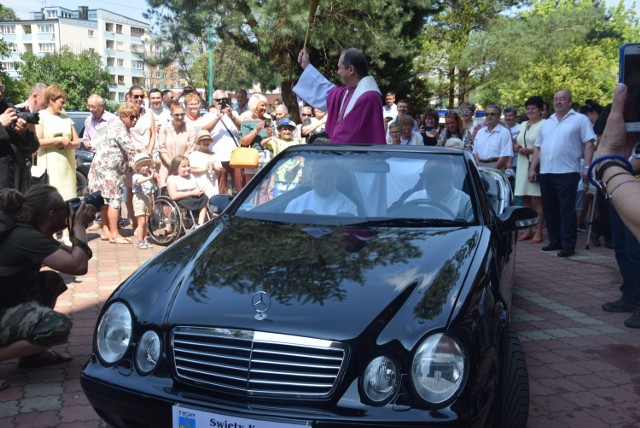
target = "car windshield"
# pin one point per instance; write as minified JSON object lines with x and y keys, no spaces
{"x":363,"y":187}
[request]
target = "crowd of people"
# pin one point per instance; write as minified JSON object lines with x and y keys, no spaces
{"x":176,"y":145}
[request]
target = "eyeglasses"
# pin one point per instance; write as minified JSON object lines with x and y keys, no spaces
{"x":134,"y":117}
{"x":491,"y":114}
{"x":137,"y":97}
{"x":178,"y":114}
{"x":193,"y":105}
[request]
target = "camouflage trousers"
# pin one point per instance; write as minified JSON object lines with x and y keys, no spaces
{"x":34,"y":320}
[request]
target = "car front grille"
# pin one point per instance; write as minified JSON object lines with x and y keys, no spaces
{"x":257,"y":363}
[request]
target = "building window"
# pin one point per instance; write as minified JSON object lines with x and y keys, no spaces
{"x":137,"y":65}
{"x":92,"y":50}
{"x":26,"y":29}
{"x":120,"y":62}
{"x":119,"y":46}
{"x":52,"y":14}
{"x":137,"y":31}
{"x":120,"y":80}
{"x":118,"y":28}
{"x":108,"y":26}
{"x":90,"y":33}
{"x":121,"y":97}
{"x":8,"y":66}
{"x":112,"y":79}
{"x":47,"y":47}
{"x":159,"y":74}
{"x":45,"y":28}
{"x":12,"y":47}
{"x":8,"y":29}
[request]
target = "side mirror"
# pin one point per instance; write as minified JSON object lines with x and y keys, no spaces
{"x":518,"y":218}
{"x":219,"y":202}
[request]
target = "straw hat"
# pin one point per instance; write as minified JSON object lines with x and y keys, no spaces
{"x":202,"y":134}
{"x":141,"y":160}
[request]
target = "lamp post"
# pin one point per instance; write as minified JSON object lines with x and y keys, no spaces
{"x":210,"y":45}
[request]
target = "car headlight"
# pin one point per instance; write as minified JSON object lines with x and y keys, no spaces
{"x":114,"y":333}
{"x":380,"y":379}
{"x":439,"y":368}
{"x":147,"y":352}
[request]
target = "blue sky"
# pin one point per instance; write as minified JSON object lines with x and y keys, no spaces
{"x":131,"y":8}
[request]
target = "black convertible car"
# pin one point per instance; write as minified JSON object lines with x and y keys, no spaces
{"x":344,"y":286}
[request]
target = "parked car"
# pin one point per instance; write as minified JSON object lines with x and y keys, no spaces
{"x":343,"y":286}
{"x":84,"y":157}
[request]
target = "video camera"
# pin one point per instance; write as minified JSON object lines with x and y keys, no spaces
{"x":94,"y":199}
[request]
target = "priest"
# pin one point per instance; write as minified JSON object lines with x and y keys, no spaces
{"x":353,"y":110}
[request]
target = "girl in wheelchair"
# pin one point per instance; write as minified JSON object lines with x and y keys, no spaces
{"x":183,"y":188}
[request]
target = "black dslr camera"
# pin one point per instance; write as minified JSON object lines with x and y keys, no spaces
{"x":94,"y":199}
{"x":26,"y":115}
{"x":224,"y":103}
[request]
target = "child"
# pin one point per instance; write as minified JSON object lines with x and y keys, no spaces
{"x":286,"y":177}
{"x":145,"y":181}
{"x":205,"y":166}
{"x":184,"y":189}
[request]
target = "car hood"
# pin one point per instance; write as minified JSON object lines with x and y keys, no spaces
{"x":319,"y":281}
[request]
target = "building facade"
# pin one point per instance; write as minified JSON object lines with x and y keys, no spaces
{"x":119,"y":40}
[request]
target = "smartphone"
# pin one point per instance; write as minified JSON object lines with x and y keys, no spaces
{"x":630,"y":76}
{"x":427,"y":128}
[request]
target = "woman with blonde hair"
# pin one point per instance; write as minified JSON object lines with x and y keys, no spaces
{"x":112,"y":161}
{"x":257,"y":132}
{"x":175,"y":138}
{"x":58,"y":144}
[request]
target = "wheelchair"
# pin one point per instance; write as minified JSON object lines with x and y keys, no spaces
{"x":169,"y":221}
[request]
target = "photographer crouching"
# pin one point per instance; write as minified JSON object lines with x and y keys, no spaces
{"x":17,"y":145}
{"x":28,"y":324}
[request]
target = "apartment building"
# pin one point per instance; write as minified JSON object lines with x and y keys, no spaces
{"x":119,"y":40}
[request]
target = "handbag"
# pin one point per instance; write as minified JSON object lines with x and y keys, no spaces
{"x":244,"y":157}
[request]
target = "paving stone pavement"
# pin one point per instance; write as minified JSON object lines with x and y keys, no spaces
{"x":584,"y":365}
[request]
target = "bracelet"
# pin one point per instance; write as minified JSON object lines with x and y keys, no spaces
{"x":82,"y":245}
{"x":626,"y":162}
{"x":606,"y":165}
{"x":614,"y":175}
{"x":610,"y":195}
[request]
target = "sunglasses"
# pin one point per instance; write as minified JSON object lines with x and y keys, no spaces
{"x":137,"y":97}
{"x":219,"y":100}
{"x":134,"y":117}
{"x":491,"y":114}
{"x":178,"y":114}
{"x":305,"y":114}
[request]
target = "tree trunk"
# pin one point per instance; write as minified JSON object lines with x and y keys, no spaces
{"x":452,"y":86}
{"x":290,"y":99}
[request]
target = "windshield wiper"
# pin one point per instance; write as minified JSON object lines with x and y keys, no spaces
{"x":408,"y":222}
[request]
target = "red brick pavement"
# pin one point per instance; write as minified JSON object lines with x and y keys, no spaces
{"x":584,"y":365}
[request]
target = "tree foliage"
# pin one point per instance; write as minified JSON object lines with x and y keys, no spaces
{"x":79,"y":74}
{"x":7,"y":14}
{"x":270,"y":33}
{"x":472,"y":52}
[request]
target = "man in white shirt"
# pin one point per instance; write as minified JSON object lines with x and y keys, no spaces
{"x":438,"y":175}
{"x":564,"y":139}
{"x":493,"y":145}
{"x":160,"y":114}
{"x":390,"y":109}
{"x":324,"y":198}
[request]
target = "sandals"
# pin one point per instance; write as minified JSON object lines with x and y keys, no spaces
{"x":120,"y":240}
{"x":46,"y":358}
{"x":143,"y":245}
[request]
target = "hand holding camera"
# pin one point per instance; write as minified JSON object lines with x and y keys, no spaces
{"x":8,"y":118}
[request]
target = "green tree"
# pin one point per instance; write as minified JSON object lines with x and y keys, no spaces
{"x":445,"y":41}
{"x":7,"y":14}
{"x":270,"y":33}
{"x":80,"y":75}
{"x":574,"y":46}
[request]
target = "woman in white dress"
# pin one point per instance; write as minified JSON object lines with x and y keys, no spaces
{"x":529,"y":192}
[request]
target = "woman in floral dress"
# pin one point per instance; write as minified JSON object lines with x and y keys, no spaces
{"x":112,"y":161}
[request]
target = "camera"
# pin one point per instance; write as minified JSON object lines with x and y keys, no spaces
{"x":25,"y":114}
{"x":94,"y":199}
{"x":224,"y":103}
